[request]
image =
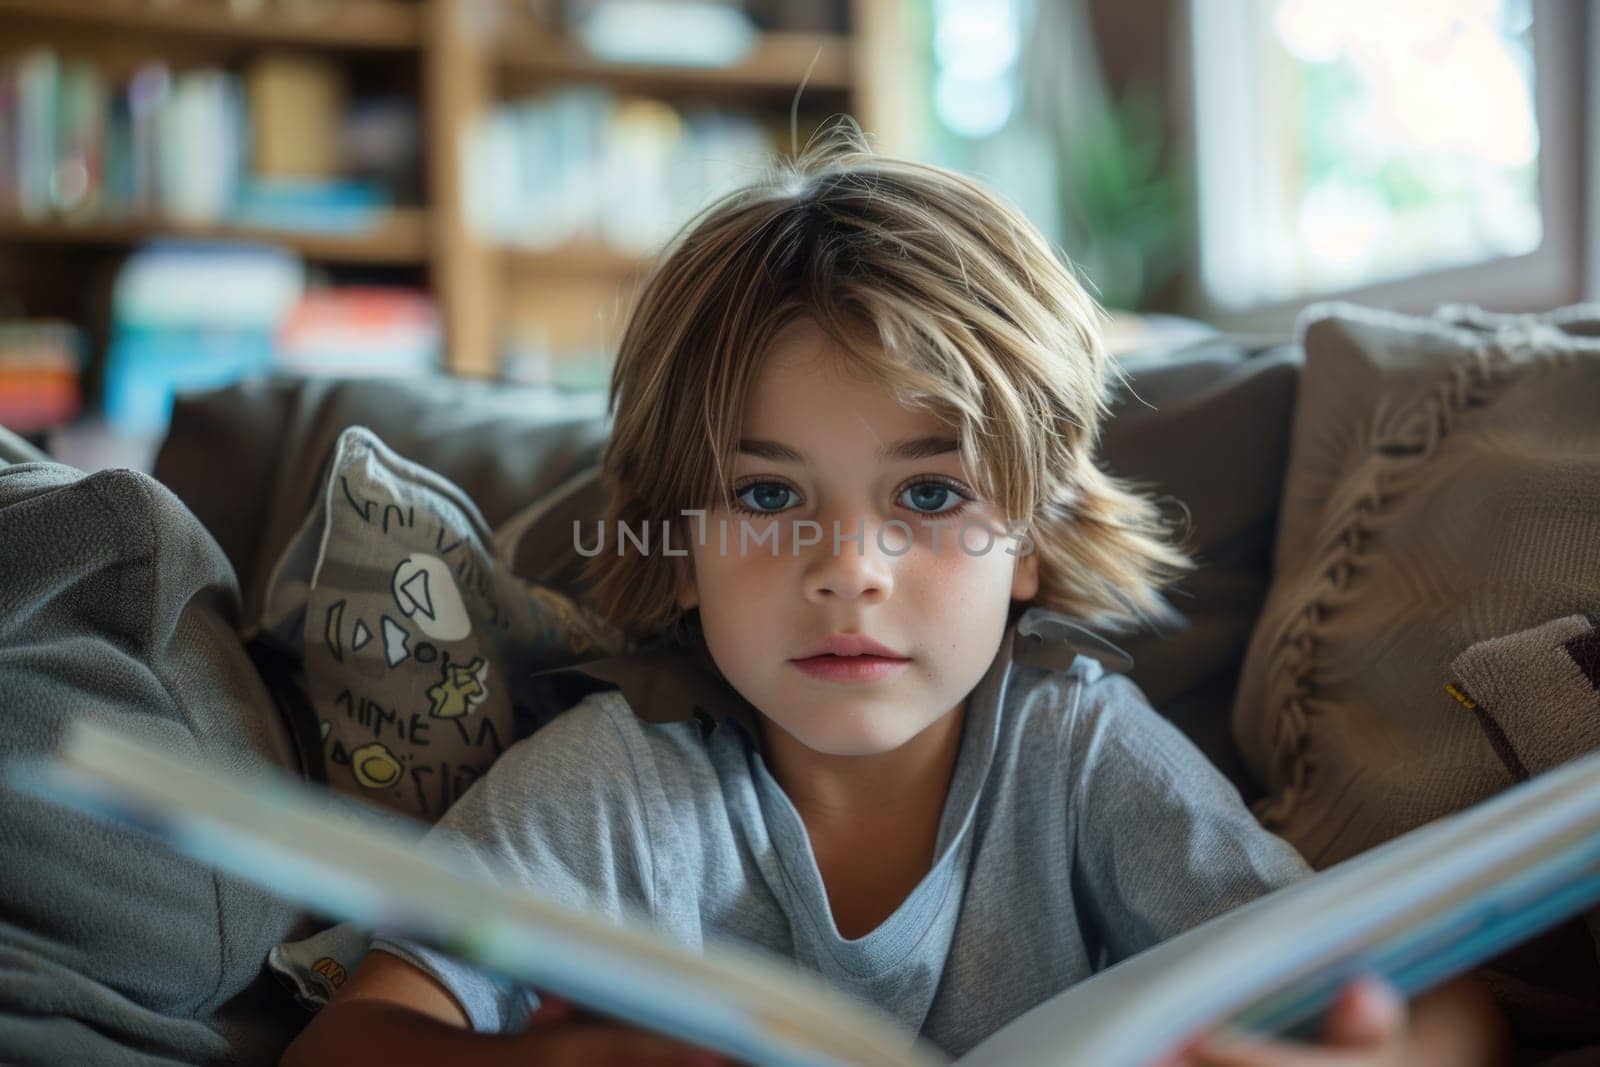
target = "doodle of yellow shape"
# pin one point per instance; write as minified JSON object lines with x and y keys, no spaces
{"x":375,"y":766}
{"x":331,"y":969}
{"x":461,"y":689}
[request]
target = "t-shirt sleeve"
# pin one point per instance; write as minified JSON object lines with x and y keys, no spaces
{"x":559,"y":815}
{"x":1162,"y":840}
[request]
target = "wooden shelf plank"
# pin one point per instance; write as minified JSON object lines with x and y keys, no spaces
{"x":777,"y":64}
{"x":579,"y":258}
{"x":349,"y":24}
{"x":400,"y":240}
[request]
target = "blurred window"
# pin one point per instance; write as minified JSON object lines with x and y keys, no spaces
{"x":1346,"y":144}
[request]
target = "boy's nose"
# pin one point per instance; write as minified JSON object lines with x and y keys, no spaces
{"x":860,"y":568}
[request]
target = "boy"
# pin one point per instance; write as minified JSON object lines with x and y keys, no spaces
{"x":862,"y":398}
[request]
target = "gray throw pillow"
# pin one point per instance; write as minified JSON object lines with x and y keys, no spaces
{"x":414,"y":642}
{"x":503,"y":446}
{"x":115,"y":602}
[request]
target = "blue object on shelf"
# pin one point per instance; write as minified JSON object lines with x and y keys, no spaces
{"x":192,"y":315}
{"x":310,"y":206}
{"x":146,"y":367}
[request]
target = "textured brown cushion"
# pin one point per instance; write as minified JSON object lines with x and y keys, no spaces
{"x":1443,"y":488}
{"x":1536,"y":694}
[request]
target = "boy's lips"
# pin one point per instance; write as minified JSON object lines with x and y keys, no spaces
{"x":851,"y":645}
{"x":851,"y":658}
{"x":850,"y":668}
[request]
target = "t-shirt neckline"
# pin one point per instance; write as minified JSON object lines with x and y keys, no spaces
{"x":897,"y":936}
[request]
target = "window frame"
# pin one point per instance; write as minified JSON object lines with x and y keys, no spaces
{"x":1562,"y":270}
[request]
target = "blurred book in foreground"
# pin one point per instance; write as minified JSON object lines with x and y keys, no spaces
{"x":1415,"y":911}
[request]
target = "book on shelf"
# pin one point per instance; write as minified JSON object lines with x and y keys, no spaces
{"x":585,"y":164}
{"x":201,"y":146}
{"x":41,"y":362}
{"x":1425,"y":906}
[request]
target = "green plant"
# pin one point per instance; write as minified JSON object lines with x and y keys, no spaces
{"x":1124,"y":212}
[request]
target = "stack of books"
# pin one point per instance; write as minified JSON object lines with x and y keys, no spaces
{"x":40,"y":361}
{"x":193,"y":315}
{"x":200,"y":146}
{"x":357,"y":331}
{"x":583,"y":164}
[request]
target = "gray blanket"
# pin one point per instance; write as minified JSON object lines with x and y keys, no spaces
{"x":114,"y":602}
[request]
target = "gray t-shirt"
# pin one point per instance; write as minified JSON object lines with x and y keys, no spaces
{"x":1080,"y":828}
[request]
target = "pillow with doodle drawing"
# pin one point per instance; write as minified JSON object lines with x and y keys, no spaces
{"x":410,"y":638}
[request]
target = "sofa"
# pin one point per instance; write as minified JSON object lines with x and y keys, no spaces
{"x":1368,"y":501}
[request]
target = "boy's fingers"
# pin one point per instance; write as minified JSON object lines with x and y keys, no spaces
{"x":1365,"y":1024}
{"x":1217,"y":1051}
{"x":551,"y":1009}
{"x":586,"y":1046}
{"x":1369,"y":1014}
{"x":1178,"y":1057}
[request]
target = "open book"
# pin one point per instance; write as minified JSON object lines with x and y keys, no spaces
{"x":1417,"y":910}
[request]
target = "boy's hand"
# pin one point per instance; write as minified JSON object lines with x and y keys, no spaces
{"x":560,"y":1034}
{"x":1369,"y":1025}
{"x":1366,"y":1027}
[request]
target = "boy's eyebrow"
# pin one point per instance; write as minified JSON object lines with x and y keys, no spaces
{"x":910,"y":448}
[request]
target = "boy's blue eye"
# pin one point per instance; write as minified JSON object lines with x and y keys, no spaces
{"x":933,"y":498}
{"x":766,"y":497}
{"x":925,"y":498}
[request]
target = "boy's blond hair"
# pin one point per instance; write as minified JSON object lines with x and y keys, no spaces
{"x":936,"y":288}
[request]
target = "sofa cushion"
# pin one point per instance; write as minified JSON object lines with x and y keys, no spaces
{"x":14,"y":449}
{"x":414,"y":643}
{"x":539,"y":542}
{"x":115,"y":602}
{"x":503,"y":446}
{"x":1536,"y":694}
{"x":1443,"y":488}
{"x":1208,"y":430}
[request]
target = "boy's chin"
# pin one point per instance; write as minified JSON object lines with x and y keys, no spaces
{"x":855,"y":737}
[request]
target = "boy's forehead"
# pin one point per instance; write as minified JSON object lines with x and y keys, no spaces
{"x":812,"y":400}
{"x":805,"y":377}
{"x":793,"y":407}
{"x":802,"y":349}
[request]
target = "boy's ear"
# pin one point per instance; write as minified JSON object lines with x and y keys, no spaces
{"x":1025,"y":577}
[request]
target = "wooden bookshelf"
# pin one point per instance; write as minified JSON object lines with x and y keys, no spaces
{"x":400,"y":239}
{"x":777,"y":63}
{"x":588,"y":258}
{"x":347,"y":24}
{"x":461,"y":57}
